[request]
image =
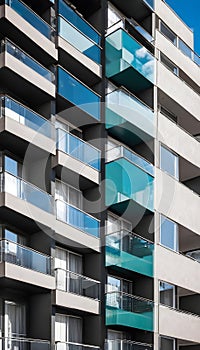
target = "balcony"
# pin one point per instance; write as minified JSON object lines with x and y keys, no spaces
{"x":128,"y":63}
{"x":31,"y":17}
{"x":77,"y":218}
{"x":129,"y":311}
{"x":129,"y":182}
{"x":85,"y":103}
{"x":126,"y":250}
{"x":129,"y":119}
{"x":78,"y":32}
{"x":24,"y":75}
{"x":75,"y":291}
{"x":137,"y":9}
{"x":126,"y":345}
{"x":27,"y":192}
{"x":18,"y":121}
{"x":60,"y":345}
{"x":24,"y":343}
{"x":28,"y":258}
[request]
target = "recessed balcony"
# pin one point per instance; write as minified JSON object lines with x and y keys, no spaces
{"x":77,"y":158}
{"x":76,"y":291}
{"x":126,"y":250}
{"x":25,"y":76}
{"x":129,"y":119}
{"x":129,"y":182}
{"x":27,"y":28}
{"x":77,"y":218}
{"x":128,"y":63}
{"x":129,"y":311}
{"x":19,"y":122}
{"x":84,"y":102}
{"x":26,"y":265}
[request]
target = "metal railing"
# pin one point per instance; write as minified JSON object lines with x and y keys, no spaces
{"x":72,"y":282}
{"x":128,"y":302}
{"x":123,"y":344}
{"x":11,"y":343}
{"x":60,"y":345}
{"x":130,"y":242}
{"x":25,"y":257}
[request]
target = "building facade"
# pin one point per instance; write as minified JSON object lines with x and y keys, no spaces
{"x":100,"y":177}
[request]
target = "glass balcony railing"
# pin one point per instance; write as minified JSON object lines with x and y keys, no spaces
{"x":31,"y":17}
{"x":123,"y":107}
{"x":125,"y":23}
{"x":78,"y":94}
{"x":126,"y":345}
{"x":123,"y":152}
{"x":78,"y":32}
{"x":25,"y":257}
{"x":128,"y":63}
{"x":78,"y":149}
{"x":129,"y":310}
{"x":27,"y":192}
{"x":24,"y":343}
{"x":23,"y":115}
{"x":72,"y":282}
{"x":129,"y":251}
{"x":126,"y":181}
{"x":78,"y":22}
{"x":77,"y":218}
{"x":7,"y":46}
{"x":60,"y":345}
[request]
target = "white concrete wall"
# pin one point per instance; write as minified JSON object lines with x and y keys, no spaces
{"x":178,"y":90}
{"x":177,"y":269}
{"x":176,"y":201}
{"x":174,"y":22}
{"x":178,"y":140}
{"x":176,"y":56}
{"x":178,"y":324}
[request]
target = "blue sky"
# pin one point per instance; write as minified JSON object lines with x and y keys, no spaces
{"x":189,"y":11}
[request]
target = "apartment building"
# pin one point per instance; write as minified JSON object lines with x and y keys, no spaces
{"x":100,"y":177}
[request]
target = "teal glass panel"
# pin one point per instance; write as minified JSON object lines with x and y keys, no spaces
{"x":78,"y":40}
{"x":78,"y":94}
{"x":122,"y":107}
{"x":78,"y":149}
{"x":125,"y":55}
{"x":25,"y":116}
{"x":129,"y":311}
{"x":125,"y":181}
{"x":131,"y":252}
{"x":77,"y":218}
{"x":78,"y":22}
{"x":31,"y":17}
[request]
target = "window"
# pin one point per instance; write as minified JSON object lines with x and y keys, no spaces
{"x":68,"y":329}
{"x":169,"y":162}
{"x":12,"y":166}
{"x":184,"y":48}
{"x":66,"y":262}
{"x":168,"y":233}
{"x":168,"y":33}
{"x":167,"y":294}
{"x":14,"y":320}
{"x":113,"y":15}
{"x":169,"y":64}
{"x":167,"y":343}
{"x":68,"y":194}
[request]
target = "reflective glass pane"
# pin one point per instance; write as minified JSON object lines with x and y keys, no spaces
{"x":169,"y":233}
{"x":169,"y":162}
{"x":167,"y":294}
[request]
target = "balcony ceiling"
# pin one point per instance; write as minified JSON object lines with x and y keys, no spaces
{"x":136,"y":9}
